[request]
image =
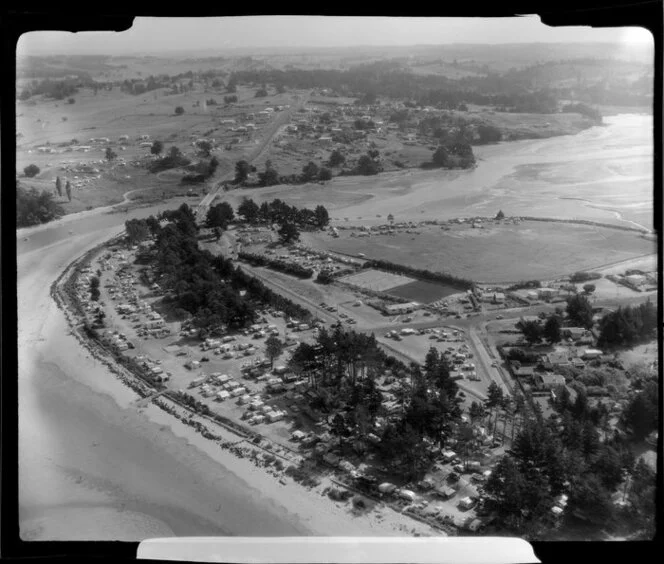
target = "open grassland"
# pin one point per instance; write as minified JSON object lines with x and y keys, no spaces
{"x":115,"y":114}
{"x":497,"y":252}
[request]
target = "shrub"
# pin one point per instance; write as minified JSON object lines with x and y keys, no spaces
{"x":31,"y":170}
{"x":582,"y":276}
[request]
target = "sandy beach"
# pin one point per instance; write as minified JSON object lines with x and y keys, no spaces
{"x":94,"y":466}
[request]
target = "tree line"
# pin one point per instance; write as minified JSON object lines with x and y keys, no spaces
{"x":421,"y":274}
{"x":366,"y":81}
{"x":279,"y":212}
{"x":277,"y":264}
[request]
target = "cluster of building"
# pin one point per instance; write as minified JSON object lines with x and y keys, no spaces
{"x":544,"y":374}
{"x":638,"y":281}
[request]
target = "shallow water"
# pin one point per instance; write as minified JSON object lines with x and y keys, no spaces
{"x":71,"y":435}
{"x":607,"y":169}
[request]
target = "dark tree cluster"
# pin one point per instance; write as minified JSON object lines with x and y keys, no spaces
{"x":138,"y":230}
{"x":277,"y":264}
{"x":431,"y":413}
{"x":561,"y":455}
{"x":454,"y":155}
{"x":173,"y":159}
{"x":56,"y":89}
{"x":579,"y":311}
{"x":628,"y":325}
{"x":582,"y":276}
{"x":202,"y":285}
{"x":219,"y":215}
{"x":367,"y":165}
{"x":189,"y":274}
{"x":31,"y":170}
{"x":279,"y":212}
{"x":34,"y":207}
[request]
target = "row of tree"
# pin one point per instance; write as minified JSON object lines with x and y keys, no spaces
{"x":421,"y":274}
{"x":279,"y":212}
{"x":291,"y":268}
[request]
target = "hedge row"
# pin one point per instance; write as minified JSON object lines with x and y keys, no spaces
{"x":443,"y":277}
{"x":281,"y":265}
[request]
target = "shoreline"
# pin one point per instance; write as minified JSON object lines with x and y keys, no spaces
{"x":270,"y":488}
{"x":386,"y":176}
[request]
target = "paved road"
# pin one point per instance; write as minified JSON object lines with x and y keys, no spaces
{"x":332,"y":318}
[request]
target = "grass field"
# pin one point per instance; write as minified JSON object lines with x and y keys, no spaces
{"x":377,"y":280}
{"x":114,"y":114}
{"x":497,"y":253}
{"x":423,"y":292}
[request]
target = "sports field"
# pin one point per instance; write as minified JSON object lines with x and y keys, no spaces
{"x":376,"y":280}
{"x":497,"y":252}
{"x":400,"y":286}
{"x":423,"y":291}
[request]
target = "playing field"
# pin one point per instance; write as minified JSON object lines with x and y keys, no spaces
{"x":423,"y":291}
{"x":497,"y":253}
{"x":377,"y":280}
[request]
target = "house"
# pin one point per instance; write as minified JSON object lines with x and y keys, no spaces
{"x":547,"y":293}
{"x":466,"y":503}
{"x":550,"y":381}
{"x":496,"y":298}
{"x":555,"y":360}
{"x":575,"y":333}
{"x":578,"y":363}
{"x":445,"y":492}
{"x":590,"y":354}
{"x":522,"y":371}
{"x":325,"y":139}
{"x":396,"y":309}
